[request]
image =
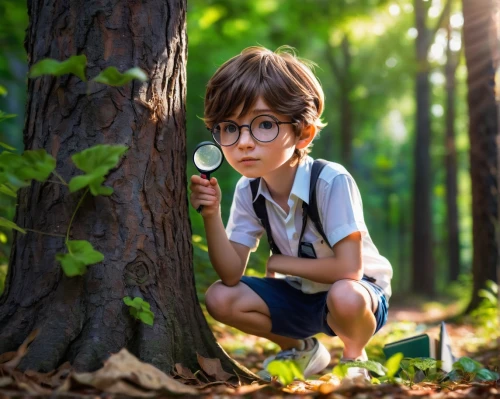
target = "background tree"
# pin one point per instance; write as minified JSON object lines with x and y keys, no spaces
{"x":142,"y":228}
{"x":481,"y":53}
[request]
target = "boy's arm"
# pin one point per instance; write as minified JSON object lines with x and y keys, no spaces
{"x":345,"y":264}
{"x":229,"y":259}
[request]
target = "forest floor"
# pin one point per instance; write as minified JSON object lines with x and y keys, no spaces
{"x":126,"y":376}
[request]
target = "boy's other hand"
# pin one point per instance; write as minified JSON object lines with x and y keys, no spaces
{"x":207,"y":193}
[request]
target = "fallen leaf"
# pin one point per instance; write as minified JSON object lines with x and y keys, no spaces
{"x":5,"y":381}
{"x":184,"y":372}
{"x":123,"y":369}
{"x":5,"y":357}
{"x":13,"y":363}
{"x":213,"y":368}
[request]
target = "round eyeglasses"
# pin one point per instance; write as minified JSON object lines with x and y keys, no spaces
{"x":263,"y":128}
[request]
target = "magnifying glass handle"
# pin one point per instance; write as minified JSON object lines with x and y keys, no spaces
{"x":205,"y":176}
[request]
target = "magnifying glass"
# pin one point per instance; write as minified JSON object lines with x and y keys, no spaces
{"x":207,"y":158}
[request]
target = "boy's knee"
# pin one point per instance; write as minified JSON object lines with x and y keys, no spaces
{"x":347,"y":299}
{"x":217,"y":301}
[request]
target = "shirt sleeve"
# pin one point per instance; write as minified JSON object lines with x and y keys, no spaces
{"x":341,"y":208}
{"x":243,"y":226}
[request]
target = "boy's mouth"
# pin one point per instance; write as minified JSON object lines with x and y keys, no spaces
{"x":248,"y":159}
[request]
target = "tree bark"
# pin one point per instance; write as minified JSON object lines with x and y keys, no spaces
{"x":422,"y":259}
{"x":480,"y":41}
{"x":143,"y":228}
{"x":452,"y":60}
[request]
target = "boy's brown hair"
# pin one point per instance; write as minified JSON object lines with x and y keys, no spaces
{"x":285,"y":82}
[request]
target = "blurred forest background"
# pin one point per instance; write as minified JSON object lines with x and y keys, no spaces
{"x":368,"y":64}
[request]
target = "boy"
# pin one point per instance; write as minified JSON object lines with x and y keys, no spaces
{"x":264,"y":109}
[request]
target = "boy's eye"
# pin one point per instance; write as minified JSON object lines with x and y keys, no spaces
{"x":230,"y":128}
{"x":266,"y":125}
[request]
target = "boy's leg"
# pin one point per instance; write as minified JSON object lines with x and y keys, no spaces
{"x":351,"y":315}
{"x":240,"y":307}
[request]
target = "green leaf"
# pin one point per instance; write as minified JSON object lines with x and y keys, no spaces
{"x":467,"y":365}
{"x":3,"y":91}
{"x":7,"y":147}
{"x":99,"y":156}
{"x":369,"y":365}
{"x":285,"y":370}
{"x":424,"y":363}
{"x":340,"y":370}
{"x":4,"y":116}
{"x":96,"y":161}
{"x":11,"y":225}
{"x":112,"y":77}
{"x":38,"y":165}
{"x":487,"y":375}
{"x":4,"y":189}
{"x":393,"y":363}
{"x":127,"y":300}
{"x":75,"y":65}
{"x":81,"y":254}
{"x":147,"y":317}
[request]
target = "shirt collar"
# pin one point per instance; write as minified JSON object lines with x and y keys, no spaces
{"x":300,"y":188}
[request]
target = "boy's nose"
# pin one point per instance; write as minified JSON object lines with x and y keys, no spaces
{"x":246,"y":140}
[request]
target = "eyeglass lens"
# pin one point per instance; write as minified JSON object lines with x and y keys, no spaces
{"x":263,"y":128}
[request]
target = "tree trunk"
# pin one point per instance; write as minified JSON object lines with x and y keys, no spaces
{"x":479,"y":42}
{"x":451,"y":165}
{"x":423,"y":261}
{"x":142,"y":229}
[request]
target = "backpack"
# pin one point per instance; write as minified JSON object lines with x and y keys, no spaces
{"x":308,"y":210}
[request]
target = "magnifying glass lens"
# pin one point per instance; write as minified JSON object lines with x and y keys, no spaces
{"x":208,"y":158}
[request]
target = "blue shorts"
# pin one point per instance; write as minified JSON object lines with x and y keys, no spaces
{"x":295,"y":314}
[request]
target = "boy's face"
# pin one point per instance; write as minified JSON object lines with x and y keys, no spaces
{"x":253,"y":158}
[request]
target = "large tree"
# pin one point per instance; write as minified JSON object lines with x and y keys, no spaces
{"x":142,"y":229}
{"x":481,"y":53}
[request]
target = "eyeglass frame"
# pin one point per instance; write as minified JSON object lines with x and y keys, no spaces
{"x":276,"y":120}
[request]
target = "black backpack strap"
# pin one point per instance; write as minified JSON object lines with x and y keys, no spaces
{"x":311,"y":210}
{"x":259,"y":206}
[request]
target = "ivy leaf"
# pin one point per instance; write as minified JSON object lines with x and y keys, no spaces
{"x":96,"y":161}
{"x":81,"y":254}
{"x":140,"y":309}
{"x":112,"y":77}
{"x":147,"y":317}
{"x":4,"y":116}
{"x":3,"y":91}
{"x":11,"y":225}
{"x":75,"y":64}
{"x":38,"y":165}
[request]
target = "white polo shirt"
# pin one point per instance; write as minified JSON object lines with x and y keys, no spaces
{"x":341,"y":213}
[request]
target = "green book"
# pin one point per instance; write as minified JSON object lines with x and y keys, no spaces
{"x":418,"y":346}
{"x":425,"y":346}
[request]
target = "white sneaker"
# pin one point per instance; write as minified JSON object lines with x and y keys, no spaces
{"x":310,"y":361}
{"x":357,"y":373}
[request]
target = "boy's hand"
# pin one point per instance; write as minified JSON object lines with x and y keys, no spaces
{"x":207,"y":193}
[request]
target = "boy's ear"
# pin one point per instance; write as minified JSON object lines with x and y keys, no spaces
{"x":306,"y":137}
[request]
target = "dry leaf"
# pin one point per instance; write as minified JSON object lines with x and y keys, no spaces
{"x":122,"y":368}
{"x":5,"y":357}
{"x":13,"y":363}
{"x":213,"y":368}
{"x":184,"y":372}
{"x":5,"y":381}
